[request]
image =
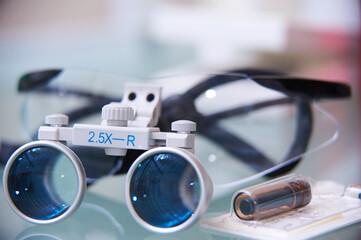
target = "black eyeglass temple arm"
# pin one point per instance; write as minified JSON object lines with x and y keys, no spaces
{"x":303,"y":132}
{"x":248,"y":108}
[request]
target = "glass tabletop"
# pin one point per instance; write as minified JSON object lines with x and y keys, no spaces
{"x":103,"y":212}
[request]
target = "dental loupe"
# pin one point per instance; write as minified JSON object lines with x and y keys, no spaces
{"x":167,"y":188}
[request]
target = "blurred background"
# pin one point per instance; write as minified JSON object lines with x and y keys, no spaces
{"x":302,"y":37}
{"x":308,"y":38}
{"x":143,"y":38}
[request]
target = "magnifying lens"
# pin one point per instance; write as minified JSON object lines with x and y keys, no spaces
{"x":167,"y":189}
{"x":44,"y":182}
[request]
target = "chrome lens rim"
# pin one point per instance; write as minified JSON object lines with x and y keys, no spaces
{"x":206,"y":189}
{"x":78,"y":167}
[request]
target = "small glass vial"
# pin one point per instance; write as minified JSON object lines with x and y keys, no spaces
{"x":273,"y":197}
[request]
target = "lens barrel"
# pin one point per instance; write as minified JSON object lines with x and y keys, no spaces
{"x":44,"y":182}
{"x":167,"y":189}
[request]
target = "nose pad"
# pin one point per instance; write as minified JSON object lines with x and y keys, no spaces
{"x":44,"y":182}
{"x":167,"y":189}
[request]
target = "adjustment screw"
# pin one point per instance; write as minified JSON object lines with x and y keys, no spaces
{"x":184,"y":126}
{"x":57,"y":120}
{"x":117,"y":114}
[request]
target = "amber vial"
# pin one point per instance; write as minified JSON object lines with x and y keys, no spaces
{"x":271,"y":198}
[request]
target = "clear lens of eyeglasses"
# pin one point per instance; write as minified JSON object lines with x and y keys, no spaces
{"x":271,"y":130}
{"x":42,"y":183}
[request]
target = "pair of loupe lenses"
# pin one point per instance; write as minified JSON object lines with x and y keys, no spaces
{"x":167,"y":189}
{"x":44,"y":182}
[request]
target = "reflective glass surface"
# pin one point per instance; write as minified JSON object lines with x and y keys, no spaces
{"x":270,"y":130}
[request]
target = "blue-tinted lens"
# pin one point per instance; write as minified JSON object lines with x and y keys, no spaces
{"x":165,"y":190}
{"x":41,"y":183}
